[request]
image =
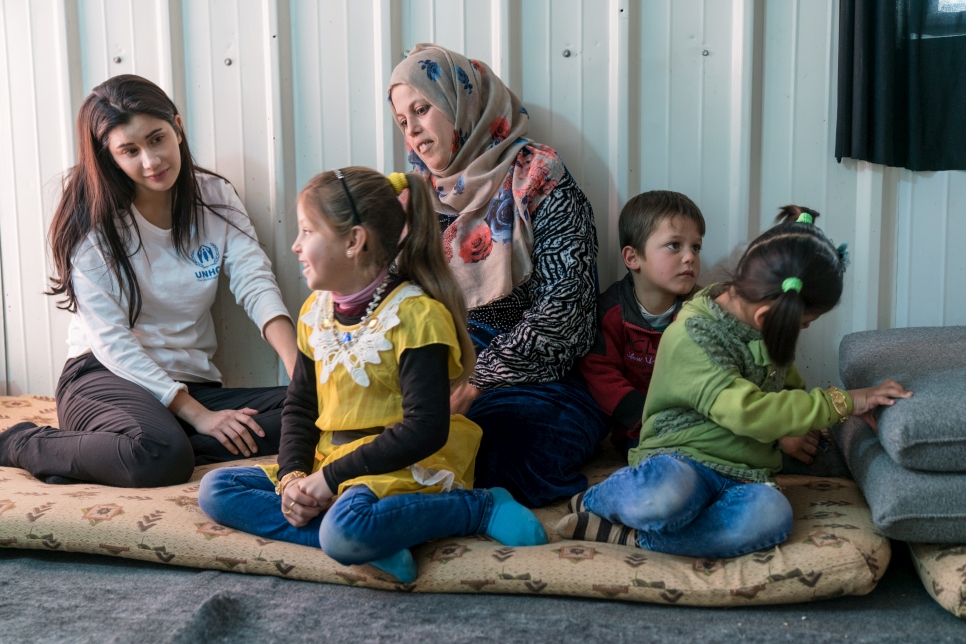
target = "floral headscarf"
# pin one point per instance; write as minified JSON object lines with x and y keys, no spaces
{"x":496,"y":177}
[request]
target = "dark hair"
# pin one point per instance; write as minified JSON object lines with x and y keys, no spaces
{"x":789,"y":249}
{"x":641,"y":216}
{"x":98,"y":194}
{"x":366,"y":198}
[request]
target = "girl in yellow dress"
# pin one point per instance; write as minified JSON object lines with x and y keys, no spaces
{"x":371,"y":462}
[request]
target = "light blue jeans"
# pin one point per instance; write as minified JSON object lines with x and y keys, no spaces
{"x":357,"y":529}
{"x":682,"y":507}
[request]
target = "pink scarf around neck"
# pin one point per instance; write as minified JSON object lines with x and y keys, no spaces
{"x":344,"y":303}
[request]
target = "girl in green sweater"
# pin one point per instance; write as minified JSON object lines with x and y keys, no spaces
{"x":724,"y":392}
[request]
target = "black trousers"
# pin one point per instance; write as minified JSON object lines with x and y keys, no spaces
{"x":115,"y":432}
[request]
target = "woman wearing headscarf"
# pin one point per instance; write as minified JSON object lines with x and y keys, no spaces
{"x":519,"y":235}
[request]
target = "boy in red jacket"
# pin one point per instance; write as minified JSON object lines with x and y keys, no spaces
{"x":660,"y":234}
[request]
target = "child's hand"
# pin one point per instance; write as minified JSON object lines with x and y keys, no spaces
{"x":866,"y":400}
{"x":804,"y":448}
{"x":316,"y":487}
{"x":298,"y":507}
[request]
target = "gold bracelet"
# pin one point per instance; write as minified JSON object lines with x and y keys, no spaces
{"x":288,"y":478}
{"x":839,"y":402}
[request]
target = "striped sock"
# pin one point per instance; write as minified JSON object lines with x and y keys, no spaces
{"x":576,"y":503}
{"x":585,"y":526}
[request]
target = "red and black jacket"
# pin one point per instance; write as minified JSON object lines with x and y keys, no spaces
{"x":618,"y":368}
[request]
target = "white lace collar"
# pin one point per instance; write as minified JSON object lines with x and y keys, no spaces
{"x":329,"y":352}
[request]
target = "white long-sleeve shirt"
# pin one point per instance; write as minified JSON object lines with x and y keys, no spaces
{"x":174,"y":337}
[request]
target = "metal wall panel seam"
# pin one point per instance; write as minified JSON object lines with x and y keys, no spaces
{"x":889,"y":252}
{"x":792,"y":96}
{"x":865,"y":253}
{"x":243,"y":173}
{"x":701,"y":105}
{"x":954,"y":266}
{"x":163,"y":11}
{"x":274,"y":143}
{"x":831,"y":94}
{"x":742,"y":59}
{"x":133,"y":36}
{"x":18,"y":246}
{"x":667,"y":93}
{"x":942,"y":250}
{"x":4,"y":150}
{"x":75,"y":73}
{"x":3,"y":336}
{"x":500,"y":39}
{"x":382,"y":72}
{"x":67,"y":145}
{"x":107,"y":45}
{"x":348,"y":93}
{"x":618,"y":119}
{"x":320,"y":95}
{"x":286,"y":268}
{"x":907,"y":187}
{"x":67,"y":150}
{"x":40,"y":182}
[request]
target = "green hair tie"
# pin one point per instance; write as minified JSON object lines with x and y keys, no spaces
{"x":805,"y":218}
{"x":792,"y":284}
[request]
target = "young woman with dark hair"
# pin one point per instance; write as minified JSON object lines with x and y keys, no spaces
{"x":725,"y":391}
{"x":139,"y":240}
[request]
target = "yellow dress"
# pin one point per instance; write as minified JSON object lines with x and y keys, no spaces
{"x":358,"y":387}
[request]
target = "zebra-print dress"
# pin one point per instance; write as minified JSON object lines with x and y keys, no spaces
{"x":545,"y":324}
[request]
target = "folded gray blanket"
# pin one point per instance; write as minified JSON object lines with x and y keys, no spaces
{"x":913,"y":472}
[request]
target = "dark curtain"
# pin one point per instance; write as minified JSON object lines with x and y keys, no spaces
{"x":902,"y":83}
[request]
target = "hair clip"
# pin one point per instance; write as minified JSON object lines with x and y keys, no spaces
{"x":843,"y":253}
{"x":352,"y":204}
{"x":805,"y":218}
{"x":792,"y":284}
{"x":399,"y":182}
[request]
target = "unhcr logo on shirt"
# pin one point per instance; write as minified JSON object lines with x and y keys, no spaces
{"x":206,"y":258}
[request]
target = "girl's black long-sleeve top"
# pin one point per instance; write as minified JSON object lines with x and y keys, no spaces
{"x":423,"y":431}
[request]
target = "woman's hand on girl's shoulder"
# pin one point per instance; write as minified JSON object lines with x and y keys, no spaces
{"x":864,"y":401}
{"x":298,"y":506}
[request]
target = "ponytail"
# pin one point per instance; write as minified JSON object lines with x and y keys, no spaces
{"x":795,"y":268}
{"x":781,"y":326}
{"x":422,"y":261}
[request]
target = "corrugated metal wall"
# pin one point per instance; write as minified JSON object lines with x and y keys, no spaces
{"x":729,"y":101}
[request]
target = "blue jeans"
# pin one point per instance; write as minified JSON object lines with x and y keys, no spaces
{"x":682,"y":507}
{"x":535,"y":437}
{"x":357,"y":529}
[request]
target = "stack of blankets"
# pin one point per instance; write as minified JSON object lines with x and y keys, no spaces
{"x":913,"y":470}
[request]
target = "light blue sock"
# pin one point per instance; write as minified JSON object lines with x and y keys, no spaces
{"x":512,"y":524}
{"x":400,"y":565}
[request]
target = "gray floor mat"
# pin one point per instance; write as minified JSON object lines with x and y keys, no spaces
{"x":65,"y":597}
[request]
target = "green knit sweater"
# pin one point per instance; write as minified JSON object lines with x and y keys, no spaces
{"x":716,"y":396}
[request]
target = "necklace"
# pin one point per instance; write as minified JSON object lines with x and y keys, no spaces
{"x":367,"y":322}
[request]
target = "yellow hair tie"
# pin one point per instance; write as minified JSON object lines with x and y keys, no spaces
{"x":399,"y":182}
